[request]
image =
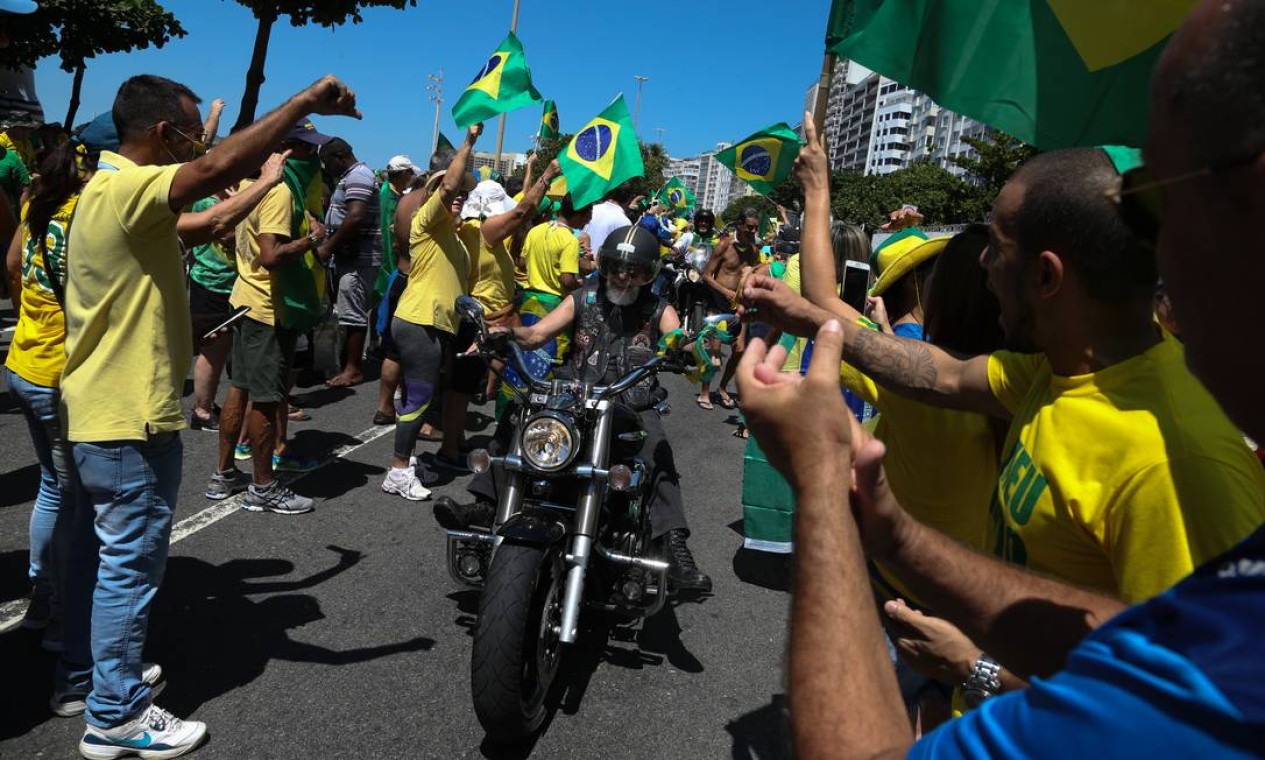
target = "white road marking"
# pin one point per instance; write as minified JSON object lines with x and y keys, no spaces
{"x":11,"y":612}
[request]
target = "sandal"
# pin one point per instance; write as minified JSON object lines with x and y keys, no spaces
{"x":728,"y":402}
{"x":298,"y":415}
{"x":704,"y":404}
{"x":742,"y":433}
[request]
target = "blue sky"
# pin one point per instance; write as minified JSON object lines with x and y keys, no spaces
{"x":718,"y":69}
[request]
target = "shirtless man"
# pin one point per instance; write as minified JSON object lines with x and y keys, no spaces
{"x":734,"y":259}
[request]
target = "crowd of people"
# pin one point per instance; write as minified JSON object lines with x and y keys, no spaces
{"x":1021,"y":433}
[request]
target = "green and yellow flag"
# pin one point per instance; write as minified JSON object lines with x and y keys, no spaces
{"x":502,"y":85}
{"x":763,"y":160}
{"x":549,"y":122}
{"x":1053,"y":73}
{"x":677,"y":197}
{"x":603,"y":155}
{"x":444,"y":145}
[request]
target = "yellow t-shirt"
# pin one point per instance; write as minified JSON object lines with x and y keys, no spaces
{"x":38,"y":352}
{"x":551,"y":250}
{"x":1123,"y":480}
{"x":128,"y":337}
{"x":491,"y":268}
{"x":941,"y":464}
{"x":254,"y":285}
{"x":441,"y":268}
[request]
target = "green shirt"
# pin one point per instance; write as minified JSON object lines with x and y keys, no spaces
{"x":13,"y":176}
{"x":213,"y":267}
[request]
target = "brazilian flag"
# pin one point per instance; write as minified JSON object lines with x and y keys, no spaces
{"x":502,"y":85}
{"x":1053,"y":73}
{"x":677,"y":197}
{"x":603,"y":155}
{"x":549,"y":122}
{"x":763,"y":160}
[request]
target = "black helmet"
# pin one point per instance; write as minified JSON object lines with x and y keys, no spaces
{"x":705,"y":215}
{"x":632,"y":248}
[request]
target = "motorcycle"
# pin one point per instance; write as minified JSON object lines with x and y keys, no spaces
{"x":571,"y":534}
{"x":690,"y":295}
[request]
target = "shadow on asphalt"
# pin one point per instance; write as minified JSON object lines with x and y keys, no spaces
{"x":762,"y":734}
{"x":322,"y":396}
{"x":763,"y":569}
{"x":216,"y":627}
{"x":340,"y":478}
{"x":19,"y":486}
{"x":15,"y":581}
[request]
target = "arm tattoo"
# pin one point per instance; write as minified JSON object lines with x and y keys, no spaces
{"x":896,"y":362}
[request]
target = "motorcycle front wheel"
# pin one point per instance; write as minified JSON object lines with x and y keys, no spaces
{"x":516,"y":642}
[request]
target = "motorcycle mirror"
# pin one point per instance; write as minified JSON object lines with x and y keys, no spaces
{"x":715,"y":319}
{"x":469,"y":308}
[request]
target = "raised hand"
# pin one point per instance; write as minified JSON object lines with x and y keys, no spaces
{"x":780,"y":306}
{"x":274,"y":168}
{"x":330,"y":97}
{"x":473,"y":132}
{"x":811,"y":167}
{"x":801,"y":422}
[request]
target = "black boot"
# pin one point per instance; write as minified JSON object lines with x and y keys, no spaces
{"x":453,"y":516}
{"x":683,"y":574}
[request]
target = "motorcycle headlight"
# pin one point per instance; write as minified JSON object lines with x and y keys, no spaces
{"x":549,"y":442}
{"x":693,"y":275}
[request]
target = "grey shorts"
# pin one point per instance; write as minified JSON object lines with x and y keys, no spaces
{"x":355,"y":294}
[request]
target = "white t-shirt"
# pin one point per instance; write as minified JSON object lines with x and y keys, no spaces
{"x":607,"y":217}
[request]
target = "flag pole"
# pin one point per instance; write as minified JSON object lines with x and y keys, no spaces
{"x":500,"y":129}
{"x":823,"y":92}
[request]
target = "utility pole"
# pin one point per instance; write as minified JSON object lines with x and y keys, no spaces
{"x":500,"y":129}
{"x":436,"y":90}
{"x":660,"y":131}
{"x":637,"y":106}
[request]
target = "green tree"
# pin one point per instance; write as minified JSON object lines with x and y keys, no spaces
{"x":327,"y":13}
{"x":763,"y":206}
{"x":997,"y":157}
{"x":79,"y":30}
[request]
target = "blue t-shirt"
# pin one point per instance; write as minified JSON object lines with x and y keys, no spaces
{"x":1182,"y":675}
{"x":911,"y":330}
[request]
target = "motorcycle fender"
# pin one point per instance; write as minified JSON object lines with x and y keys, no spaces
{"x":533,"y":527}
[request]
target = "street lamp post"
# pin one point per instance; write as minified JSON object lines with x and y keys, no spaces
{"x":660,"y":131}
{"x":500,"y":129}
{"x":436,"y":90}
{"x":637,"y":106}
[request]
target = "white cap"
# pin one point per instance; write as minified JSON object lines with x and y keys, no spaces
{"x":402,"y":164}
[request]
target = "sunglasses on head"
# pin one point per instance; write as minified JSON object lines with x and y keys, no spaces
{"x":1139,"y":195}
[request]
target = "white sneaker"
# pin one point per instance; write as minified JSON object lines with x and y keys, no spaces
{"x":67,"y":703}
{"x":155,"y":735}
{"x":405,"y":483}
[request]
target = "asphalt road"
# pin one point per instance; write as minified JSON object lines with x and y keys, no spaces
{"x":340,"y":634}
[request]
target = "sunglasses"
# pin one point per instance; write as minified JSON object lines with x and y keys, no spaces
{"x":198,"y":143}
{"x":1139,"y":195}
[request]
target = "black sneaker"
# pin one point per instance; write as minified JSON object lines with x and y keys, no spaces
{"x":211,"y":424}
{"x":383,"y":419}
{"x":683,"y":573}
{"x":453,"y":516}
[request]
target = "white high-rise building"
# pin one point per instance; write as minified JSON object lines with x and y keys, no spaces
{"x":875,"y":125}
{"x":714,"y":181}
{"x":686,"y":169}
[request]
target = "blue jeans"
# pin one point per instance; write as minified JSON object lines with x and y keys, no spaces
{"x":118,"y":551}
{"x":57,"y":486}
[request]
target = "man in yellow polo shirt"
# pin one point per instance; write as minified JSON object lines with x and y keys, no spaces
{"x":127,"y":354}
{"x":426,"y":322}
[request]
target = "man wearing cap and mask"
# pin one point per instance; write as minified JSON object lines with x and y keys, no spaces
{"x":355,"y":243}
{"x":617,"y":316}
{"x":281,"y":286}
{"x":426,"y":322}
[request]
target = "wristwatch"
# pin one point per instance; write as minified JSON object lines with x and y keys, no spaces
{"x":984,"y":682}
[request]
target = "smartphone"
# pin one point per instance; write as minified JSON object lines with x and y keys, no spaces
{"x":237,"y":314}
{"x":856,"y":283}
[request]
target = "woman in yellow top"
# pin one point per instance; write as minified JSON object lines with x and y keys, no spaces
{"x":36,"y":268}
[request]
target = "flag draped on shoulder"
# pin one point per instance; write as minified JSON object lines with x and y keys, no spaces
{"x":763,"y":160}
{"x":502,"y":85}
{"x":603,"y":155}
{"x":549,"y":122}
{"x":1053,"y":73}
